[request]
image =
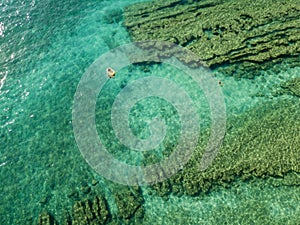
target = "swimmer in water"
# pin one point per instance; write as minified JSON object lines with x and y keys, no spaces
{"x":110,"y":72}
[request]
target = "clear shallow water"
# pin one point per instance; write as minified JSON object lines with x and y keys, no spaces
{"x":243,"y":203}
{"x":45,"y":47}
{"x":43,"y":59}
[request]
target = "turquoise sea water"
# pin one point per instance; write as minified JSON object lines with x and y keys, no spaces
{"x":45,"y":48}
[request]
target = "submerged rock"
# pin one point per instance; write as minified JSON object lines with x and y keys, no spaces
{"x":238,"y":37}
{"x":129,"y":201}
{"x":263,"y":142}
{"x":46,"y":218}
{"x":290,"y":87}
{"x":93,"y":211}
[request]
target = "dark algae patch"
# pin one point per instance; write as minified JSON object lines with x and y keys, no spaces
{"x":238,"y":37}
{"x":290,"y":87}
{"x":46,"y":219}
{"x":90,"y":211}
{"x":129,"y":202}
{"x":265,"y":144}
{"x":95,"y":210}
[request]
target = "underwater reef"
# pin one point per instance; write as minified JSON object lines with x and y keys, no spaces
{"x":93,"y":209}
{"x":290,"y":87}
{"x":263,"y":143}
{"x":238,"y":37}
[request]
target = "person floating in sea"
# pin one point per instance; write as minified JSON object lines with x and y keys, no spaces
{"x":110,"y":72}
{"x":221,"y":83}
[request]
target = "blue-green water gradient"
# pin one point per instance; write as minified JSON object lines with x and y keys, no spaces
{"x":45,"y":47}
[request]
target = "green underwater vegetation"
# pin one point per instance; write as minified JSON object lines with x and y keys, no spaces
{"x":253,"y":50}
{"x":240,"y":38}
